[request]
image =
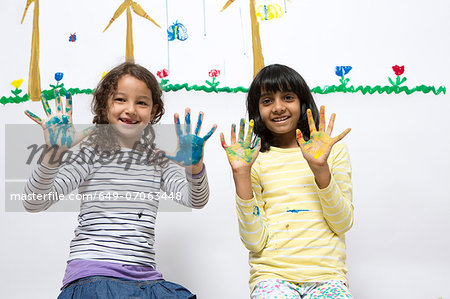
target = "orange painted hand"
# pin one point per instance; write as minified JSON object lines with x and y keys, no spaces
{"x":240,"y":154}
{"x":318,"y":147}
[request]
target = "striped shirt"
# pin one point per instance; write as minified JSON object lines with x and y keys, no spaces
{"x":120,"y":201}
{"x":293,"y":229}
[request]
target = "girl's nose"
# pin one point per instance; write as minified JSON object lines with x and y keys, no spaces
{"x":278,"y":106}
{"x":131,"y":109}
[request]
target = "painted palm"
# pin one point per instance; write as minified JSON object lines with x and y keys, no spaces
{"x":258,"y":60}
{"x":34,"y":79}
{"x":129,"y":56}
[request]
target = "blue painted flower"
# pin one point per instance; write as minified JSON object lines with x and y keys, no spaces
{"x":58,"y":76}
{"x":342,"y":70}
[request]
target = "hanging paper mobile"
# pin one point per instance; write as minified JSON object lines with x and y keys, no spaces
{"x":129,"y":56}
{"x":72,"y":37}
{"x":269,"y":12}
{"x":177,"y":31}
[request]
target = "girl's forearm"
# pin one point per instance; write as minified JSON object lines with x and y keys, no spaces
{"x":322,"y":175}
{"x":243,"y":184}
{"x":52,"y":156}
{"x":197,"y":168}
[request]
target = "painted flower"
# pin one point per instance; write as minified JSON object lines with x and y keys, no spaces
{"x":214,"y":73}
{"x":104,"y":74}
{"x":163,"y":73}
{"x":58,"y":76}
{"x":342,"y":70}
{"x":398,"y":70}
{"x":17,"y":83}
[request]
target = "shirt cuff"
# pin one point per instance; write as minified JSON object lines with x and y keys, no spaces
{"x":326,"y":192}
{"x":246,"y":205}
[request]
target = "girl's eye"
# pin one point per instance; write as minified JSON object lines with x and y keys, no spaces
{"x":121,"y":100}
{"x":289,"y":97}
{"x":266,"y":101}
{"x":143,"y":103}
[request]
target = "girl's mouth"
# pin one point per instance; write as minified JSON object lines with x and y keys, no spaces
{"x":128,"y":121}
{"x":280,"y":119}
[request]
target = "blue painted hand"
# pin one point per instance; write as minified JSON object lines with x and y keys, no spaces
{"x":190,"y":146}
{"x":58,"y":127}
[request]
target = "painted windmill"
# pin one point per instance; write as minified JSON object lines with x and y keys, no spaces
{"x":34,"y":79}
{"x":258,"y":60}
{"x":129,"y":56}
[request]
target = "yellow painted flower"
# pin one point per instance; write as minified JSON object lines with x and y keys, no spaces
{"x":17,"y":83}
{"x":104,"y":74}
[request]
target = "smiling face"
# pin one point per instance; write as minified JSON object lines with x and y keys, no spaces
{"x":280,"y":112}
{"x":130,"y":109}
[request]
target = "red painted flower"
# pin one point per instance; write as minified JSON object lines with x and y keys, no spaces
{"x":398,"y":70}
{"x":162,"y":73}
{"x":214,"y":73}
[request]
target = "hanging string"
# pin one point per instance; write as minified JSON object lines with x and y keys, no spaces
{"x":167,"y":26}
{"x":204,"y":18}
{"x":242,"y":32}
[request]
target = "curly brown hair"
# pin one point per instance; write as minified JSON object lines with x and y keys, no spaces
{"x":104,"y":138}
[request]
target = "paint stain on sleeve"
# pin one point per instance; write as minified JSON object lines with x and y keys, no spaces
{"x":256,"y":211}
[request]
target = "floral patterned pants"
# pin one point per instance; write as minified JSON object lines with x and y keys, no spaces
{"x":277,"y":288}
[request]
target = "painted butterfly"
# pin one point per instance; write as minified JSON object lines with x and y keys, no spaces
{"x":177,"y":31}
{"x":269,"y":12}
{"x":72,"y":37}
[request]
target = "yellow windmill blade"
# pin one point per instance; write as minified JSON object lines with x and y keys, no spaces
{"x":118,"y":12}
{"x":26,"y":8}
{"x":227,"y":4}
{"x":140,"y":12}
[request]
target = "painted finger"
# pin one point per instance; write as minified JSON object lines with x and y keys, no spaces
{"x":69,"y":105}
{"x":250,"y":131}
{"x":176,"y":119}
{"x":312,"y":125}
{"x":241,"y":130}
{"x":88,"y":131}
{"x":257,"y":143}
{"x":83,"y":134}
{"x":256,"y":149}
{"x":213,"y":129}
{"x":299,"y":137}
{"x":222,"y":141}
{"x":58,"y":101}
{"x":322,"y":119}
{"x":233,"y":133}
{"x":170,"y":157}
{"x":45,"y":105}
{"x":331,"y":124}
{"x":199,"y":123}
{"x":187,"y":120}
{"x":342,"y":135}
{"x":33,"y":117}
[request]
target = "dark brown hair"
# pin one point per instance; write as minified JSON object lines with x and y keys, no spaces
{"x":274,"y":78}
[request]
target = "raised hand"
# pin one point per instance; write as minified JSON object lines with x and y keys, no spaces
{"x":240,"y":154}
{"x":317,"y":149}
{"x":190,"y":146}
{"x":58,"y":127}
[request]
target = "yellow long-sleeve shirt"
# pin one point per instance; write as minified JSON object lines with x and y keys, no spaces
{"x":293,"y":229}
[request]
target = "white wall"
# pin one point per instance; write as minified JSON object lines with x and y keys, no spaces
{"x":399,"y":245}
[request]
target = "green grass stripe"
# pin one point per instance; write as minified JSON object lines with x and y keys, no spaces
{"x":49,"y":94}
